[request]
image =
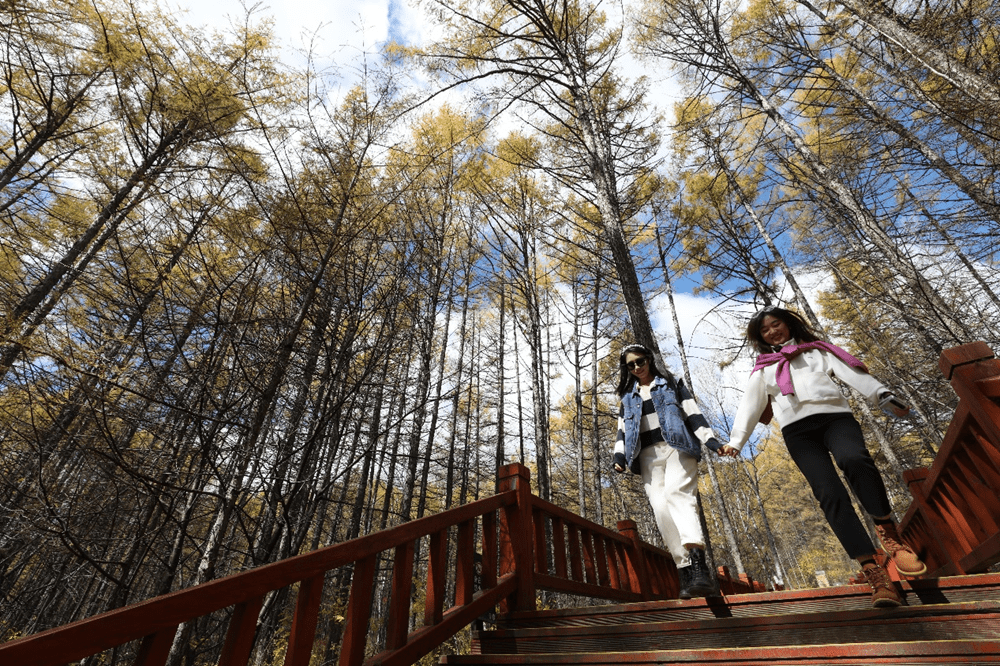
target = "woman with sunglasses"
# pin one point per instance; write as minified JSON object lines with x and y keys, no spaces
{"x":660,"y":433}
{"x":793,"y":380}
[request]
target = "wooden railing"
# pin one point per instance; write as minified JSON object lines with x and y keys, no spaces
{"x":741,"y":584}
{"x":954,"y":520}
{"x":586,"y":559}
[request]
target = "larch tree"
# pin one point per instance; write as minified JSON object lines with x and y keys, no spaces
{"x":708,"y":38}
{"x":560,"y":64}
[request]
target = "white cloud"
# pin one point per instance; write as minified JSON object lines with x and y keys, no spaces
{"x":342,"y":29}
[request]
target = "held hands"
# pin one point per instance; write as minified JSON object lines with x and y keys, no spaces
{"x":728,"y":452}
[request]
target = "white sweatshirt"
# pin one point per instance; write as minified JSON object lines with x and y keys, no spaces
{"x":815,"y":392}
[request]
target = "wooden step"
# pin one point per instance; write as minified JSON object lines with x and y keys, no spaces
{"x":970,"y":621}
{"x":895,"y":653}
{"x":953,"y":589}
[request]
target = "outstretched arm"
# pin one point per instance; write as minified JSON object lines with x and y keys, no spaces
{"x":751,"y":407}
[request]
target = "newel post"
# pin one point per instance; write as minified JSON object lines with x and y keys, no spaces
{"x":964,"y":367}
{"x":637,"y":571}
{"x":517,"y":538}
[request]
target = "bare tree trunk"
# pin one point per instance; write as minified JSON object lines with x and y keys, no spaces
{"x":751,"y":211}
{"x":29,"y":313}
{"x":426,"y":341}
{"x":779,"y":569}
{"x":578,"y":404}
{"x":456,"y":398}
{"x":595,"y":425}
{"x":394,"y":446}
{"x":520,"y":406}
{"x":432,"y":430}
{"x":882,"y":19}
{"x":501,"y":386}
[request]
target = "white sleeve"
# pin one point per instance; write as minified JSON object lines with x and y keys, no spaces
{"x":857,"y":379}
{"x":620,"y":435}
{"x":751,"y":407}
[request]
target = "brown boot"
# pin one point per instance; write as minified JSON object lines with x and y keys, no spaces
{"x":906,"y":561}
{"x":884,"y":594}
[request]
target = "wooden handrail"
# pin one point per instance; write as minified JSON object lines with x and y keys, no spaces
{"x":593,"y":561}
{"x":954,"y":520}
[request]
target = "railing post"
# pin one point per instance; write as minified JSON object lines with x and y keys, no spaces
{"x":517,"y":538}
{"x":636,"y":559}
{"x":964,"y":366}
{"x":725,"y":582}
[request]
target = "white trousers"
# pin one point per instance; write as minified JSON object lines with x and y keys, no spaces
{"x":671,"y":482}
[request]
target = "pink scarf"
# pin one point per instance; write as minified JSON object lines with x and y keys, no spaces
{"x":783,"y":373}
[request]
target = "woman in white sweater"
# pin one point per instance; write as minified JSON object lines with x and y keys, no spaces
{"x":793,"y":380}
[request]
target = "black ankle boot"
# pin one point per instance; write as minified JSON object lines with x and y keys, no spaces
{"x":684,"y":576}
{"x":701,"y":582}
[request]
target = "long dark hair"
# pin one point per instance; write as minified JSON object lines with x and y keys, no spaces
{"x":626,"y":379}
{"x":797,"y":327}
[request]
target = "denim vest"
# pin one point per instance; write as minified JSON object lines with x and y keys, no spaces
{"x":668,"y":410}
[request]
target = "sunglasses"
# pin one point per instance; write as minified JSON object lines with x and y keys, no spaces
{"x":637,"y":363}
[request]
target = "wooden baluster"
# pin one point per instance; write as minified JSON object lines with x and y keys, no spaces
{"x":359,"y":609}
{"x":725,"y":582}
{"x":601,"y":559}
{"x":985,"y":448}
{"x":575,"y":554}
{"x":559,"y":546}
{"x":614,"y":577}
{"x":489,"y":551}
{"x":588,"y":556}
{"x":437,"y":560}
{"x":242,"y":630}
{"x":397,"y":624}
{"x":671,"y":579}
{"x":939,"y":540}
{"x":985,"y":460}
{"x":979,"y":496}
{"x":977,"y":489}
{"x":953,"y":506}
{"x":465,"y":563}
{"x":303,"y":633}
{"x":155,"y":648}
{"x":538,"y":520}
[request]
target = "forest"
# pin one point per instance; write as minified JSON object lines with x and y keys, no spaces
{"x":247,"y":312}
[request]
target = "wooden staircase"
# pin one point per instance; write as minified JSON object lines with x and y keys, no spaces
{"x":527,"y":545}
{"x":954,"y":620}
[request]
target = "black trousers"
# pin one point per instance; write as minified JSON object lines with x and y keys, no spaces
{"x":810,"y":442}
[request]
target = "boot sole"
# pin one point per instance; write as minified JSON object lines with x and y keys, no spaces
{"x":886,"y":603}
{"x":911,"y":573}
